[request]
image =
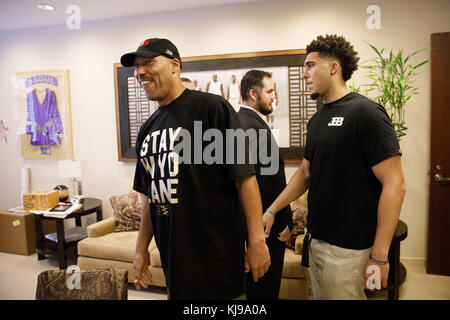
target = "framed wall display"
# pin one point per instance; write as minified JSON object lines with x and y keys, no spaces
{"x":132,"y":110}
{"x":221,"y":74}
{"x":43,"y":105}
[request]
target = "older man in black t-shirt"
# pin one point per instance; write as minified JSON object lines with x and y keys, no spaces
{"x":196,"y":211}
{"x":353,"y":170}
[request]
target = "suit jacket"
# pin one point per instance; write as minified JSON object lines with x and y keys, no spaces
{"x":270,"y":186}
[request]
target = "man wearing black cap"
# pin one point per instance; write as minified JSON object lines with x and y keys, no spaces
{"x":193,"y":210}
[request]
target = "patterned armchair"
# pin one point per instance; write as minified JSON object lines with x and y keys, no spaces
{"x":94,"y":284}
{"x":295,"y":282}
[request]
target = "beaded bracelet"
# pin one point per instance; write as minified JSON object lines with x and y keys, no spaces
{"x":271,"y":212}
{"x":377,"y":261}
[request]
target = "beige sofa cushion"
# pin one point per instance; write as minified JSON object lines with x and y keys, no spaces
{"x":86,"y":263}
{"x":294,"y":289}
{"x":113,"y":246}
{"x":292,"y":267}
{"x":155,"y":258}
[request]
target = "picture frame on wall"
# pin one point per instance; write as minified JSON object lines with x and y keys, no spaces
{"x":43,"y":107}
{"x":293,"y":106}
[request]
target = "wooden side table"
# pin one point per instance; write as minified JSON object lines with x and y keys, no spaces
{"x":61,"y":248}
{"x":397,"y":272}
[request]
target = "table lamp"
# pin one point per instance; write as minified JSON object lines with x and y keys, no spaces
{"x":71,"y":169}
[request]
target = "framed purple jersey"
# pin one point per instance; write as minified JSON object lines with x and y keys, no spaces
{"x":43,"y":107}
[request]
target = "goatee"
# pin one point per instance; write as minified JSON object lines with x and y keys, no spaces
{"x":314,"y":96}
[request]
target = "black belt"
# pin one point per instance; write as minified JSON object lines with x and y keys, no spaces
{"x":305,"y":250}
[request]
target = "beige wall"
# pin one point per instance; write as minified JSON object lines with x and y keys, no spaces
{"x":89,"y":54}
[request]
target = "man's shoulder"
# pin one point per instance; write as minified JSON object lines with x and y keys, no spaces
{"x":246,"y":111}
{"x":144,"y":130}
{"x":247,"y":117}
{"x":211,"y":104}
{"x":147,"y":122}
{"x":315,"y":116}
{"x":363,"y":102}
{"x":204,"y":98}
{"x":213,"y":101}
{"x":207,"y":96}
{"x":368,"y":110}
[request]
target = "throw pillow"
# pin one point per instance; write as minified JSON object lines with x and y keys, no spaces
{"x":127,"y":211}
{"x":299,"y":215}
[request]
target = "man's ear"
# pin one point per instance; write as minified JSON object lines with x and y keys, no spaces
{"x":253,"y":94}
{"x":335,"y":67}
{"x":176,"y":65}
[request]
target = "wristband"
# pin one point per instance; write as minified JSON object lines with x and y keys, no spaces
{"x":271,"y":212}
{"x":378,"y":262}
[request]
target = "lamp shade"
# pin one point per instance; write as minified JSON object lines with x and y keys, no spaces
{"x":69,"y":169}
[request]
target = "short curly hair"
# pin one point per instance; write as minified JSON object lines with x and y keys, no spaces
{"x":333,"y":46}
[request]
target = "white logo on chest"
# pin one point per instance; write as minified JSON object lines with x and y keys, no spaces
{"x":336,"y":122}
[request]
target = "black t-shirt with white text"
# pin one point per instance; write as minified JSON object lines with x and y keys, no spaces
{"x":197,"y":218}
{"x":345,"y":139}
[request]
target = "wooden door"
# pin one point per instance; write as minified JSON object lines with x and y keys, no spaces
{"x":438,"y":255}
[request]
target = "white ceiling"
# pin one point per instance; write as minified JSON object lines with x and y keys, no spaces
{"x":23,"y":14}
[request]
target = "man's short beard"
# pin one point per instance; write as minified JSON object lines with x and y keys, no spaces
{"x":314,"y":96}
{"x":262,"y":110}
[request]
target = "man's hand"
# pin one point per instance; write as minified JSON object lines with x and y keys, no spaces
{"x":379,"y":273}
{"x":142,"y":275}
{"x":268,"y":220}
{"x":257,"y":259}
{"x":284,"y":235}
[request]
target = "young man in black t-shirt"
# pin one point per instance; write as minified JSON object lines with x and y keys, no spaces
{"x":353,"y":170}
{"x":196,"y":210}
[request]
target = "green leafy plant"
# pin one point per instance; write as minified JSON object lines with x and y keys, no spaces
{"x":392,"y":82}
{"x":355,"y":88}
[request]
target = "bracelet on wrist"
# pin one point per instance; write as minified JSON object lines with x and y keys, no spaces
{"x":271,"y":212}
{"x":377,"y":261}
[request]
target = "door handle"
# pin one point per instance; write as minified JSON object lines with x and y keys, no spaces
{"x":440,"y":178}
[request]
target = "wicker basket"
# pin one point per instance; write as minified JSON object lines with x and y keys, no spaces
{"x":40,"y":200}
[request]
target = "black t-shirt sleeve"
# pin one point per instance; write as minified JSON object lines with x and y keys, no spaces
{"x":307,"y":155}
{"x":140,"y":183}
{"x":378,"y":140}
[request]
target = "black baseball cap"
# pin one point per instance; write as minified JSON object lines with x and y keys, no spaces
{"x":151,"y":48}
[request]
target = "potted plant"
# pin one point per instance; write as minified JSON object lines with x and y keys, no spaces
{"x":392,"y":80}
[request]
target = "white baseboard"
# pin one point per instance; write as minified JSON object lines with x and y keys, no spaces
{"x":414,"y":262}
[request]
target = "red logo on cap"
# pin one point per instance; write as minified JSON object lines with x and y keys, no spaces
{"x":146,"y":42}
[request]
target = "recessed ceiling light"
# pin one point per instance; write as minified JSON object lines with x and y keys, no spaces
{"x":45,"y":7}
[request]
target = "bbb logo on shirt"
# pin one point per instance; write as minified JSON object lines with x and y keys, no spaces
{"x":163,"y":209}
{"x":336,"y":122}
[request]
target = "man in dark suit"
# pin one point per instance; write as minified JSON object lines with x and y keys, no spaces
{"x":257,"y":90}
